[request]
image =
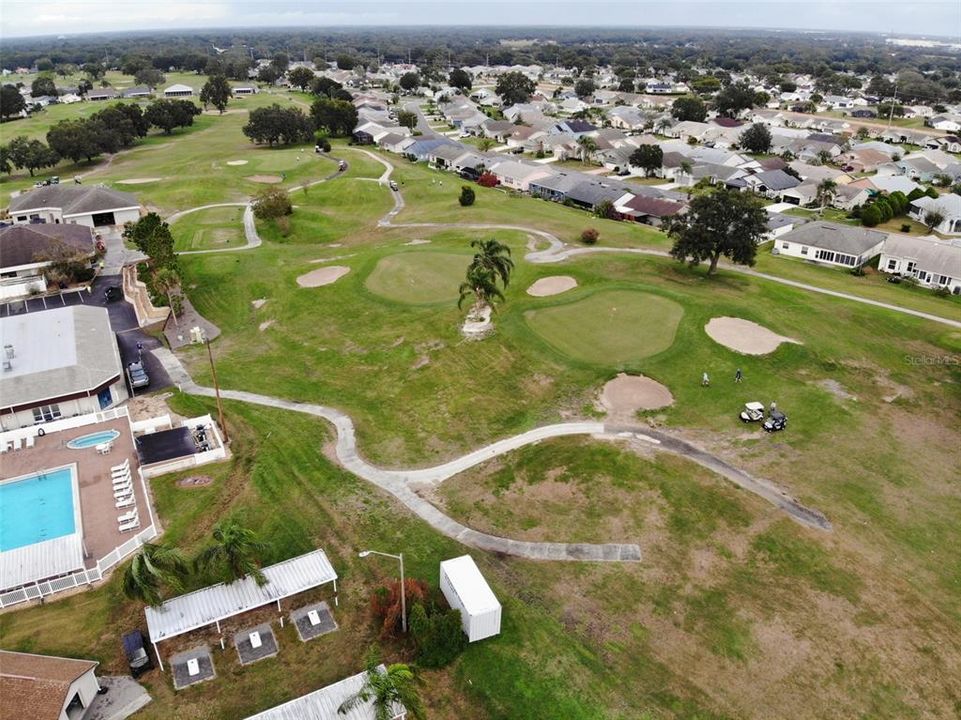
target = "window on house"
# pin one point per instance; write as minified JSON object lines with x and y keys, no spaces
{"x":46,"y":413}
{"x":892,"y":264}
{"x":786,"y":246}
{"x":911,"y":267}
{"x":804,"y":250}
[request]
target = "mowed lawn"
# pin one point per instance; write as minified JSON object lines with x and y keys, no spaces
{"x":418,"y":277}
{"x":609,"y":328}
{"x":211,"y":229}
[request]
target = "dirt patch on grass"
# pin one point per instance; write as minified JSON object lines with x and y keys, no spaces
{"x":195,"y":481}
{"x":258,"y":303}
{"x":744,"y":336}
{"x":553,"y":285}
{"x":420,"y":362}
{"x":265,"y":324}
{"x":267,"y":179}
{"x":836,"y":389}
{"x":236,"y":162}
{"x":626,"y":394}
{"x":418,"y":241}
{"x":145,"y":407}
{"x":323,"y":276}
{"x":138,"y":181}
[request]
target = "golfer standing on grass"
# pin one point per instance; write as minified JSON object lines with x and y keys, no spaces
{"x":738,"y":376}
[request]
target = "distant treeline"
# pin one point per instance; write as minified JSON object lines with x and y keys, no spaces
{"x":771,"y":55}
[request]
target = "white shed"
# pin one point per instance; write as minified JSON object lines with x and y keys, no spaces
{"x":467,"y":590}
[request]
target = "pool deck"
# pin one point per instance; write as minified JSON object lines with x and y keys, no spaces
{"x":97,"y":505}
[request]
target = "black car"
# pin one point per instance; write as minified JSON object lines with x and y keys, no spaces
{"x":135,"y":648}
{"x":112,"y":293}
{"x":775,"y":421}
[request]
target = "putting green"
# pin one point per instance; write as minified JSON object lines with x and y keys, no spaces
{"x":418,"y":277}
{"x":609,"y":328}
{"x":209,"y":229}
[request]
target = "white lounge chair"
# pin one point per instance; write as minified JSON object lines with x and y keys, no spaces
{"x":104,"y":448}
{"x":17,"y":443}
{"x":123,"y":493}
{"x":128,"y":501}
{"x":128,"y":516}
{"x":31,"y":441}
{"x":122,"y":467}
{"x":314,"y":617}
{"x":122,"y":472}
{"x":193,"y":667}
{"x":129,"y":525}
{"x":121,"y":479}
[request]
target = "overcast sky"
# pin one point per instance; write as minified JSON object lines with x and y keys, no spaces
{"x":52,"y":17}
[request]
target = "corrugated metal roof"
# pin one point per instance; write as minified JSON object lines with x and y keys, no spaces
{"x":469,"y":584}
{"x":218,"y":602}
{"x":322,"y":704}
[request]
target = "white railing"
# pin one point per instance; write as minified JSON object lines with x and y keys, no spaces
{"x":184,"y":463}
{"x":64,"y":424}
{"x":151,"y":425}
{"x":78,"y":579}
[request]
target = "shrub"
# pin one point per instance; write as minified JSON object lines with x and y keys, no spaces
{"x":871,"y":216}
{"x":323,"y":144}
{"x":439,"y":636}
{"x":905,"y":228}
{"x":273,"y":202}
{"x":385,"y":603}
{"x":283,"y":224}
{"x":589,"y":236}
{"x":467,"y":196}
{"x":488,"y":180}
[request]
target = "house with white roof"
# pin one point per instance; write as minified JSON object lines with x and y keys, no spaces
{"x":178,"y":90}
{"x":947,"y":206}
{"x":831,"y":244}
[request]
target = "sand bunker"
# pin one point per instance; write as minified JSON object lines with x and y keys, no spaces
{"x":268,"y":179}
{"x":418,"y":241}
{"x":138,"y":181}
{"x":626,"y":394}
{"x":553,"y":285}
{"x":744,"y":336}
{"x":323,"y":276}
{"x":236,"y":162}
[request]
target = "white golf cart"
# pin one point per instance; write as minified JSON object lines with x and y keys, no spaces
{"x":752,"y":412}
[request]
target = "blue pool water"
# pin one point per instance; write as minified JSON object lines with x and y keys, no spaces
{"x":97,"y":438}
{"x":35,"y":508}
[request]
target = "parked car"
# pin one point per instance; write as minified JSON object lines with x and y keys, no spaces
{"x":112,"y":293}
{"x":138,"y":375}
{"x":775,"y":421}
{"x":135,"y":648}
{"x":752,"y":412}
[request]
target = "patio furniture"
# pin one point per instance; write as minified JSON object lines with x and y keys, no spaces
{"x":122,"y":479}
{"x":122,"y":467}
{"x":255,"y":641}
{"x":31,"y":441}
{"x":129,"y":525}
{"x":17,"y":443}
{"x":126,"y":502}
{"x":123,"y":493}
{"x":193,"y":667}
{"x":127,"y":516}
{"x":104,"y":448}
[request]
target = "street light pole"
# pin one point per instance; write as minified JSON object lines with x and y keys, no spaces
{"x":220,"y":405}
{"x":403,"y":590}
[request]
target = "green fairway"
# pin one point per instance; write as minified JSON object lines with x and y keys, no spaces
{"x":211,"y":229}
{"x":609,"y":328}
{"x":418,"y":277}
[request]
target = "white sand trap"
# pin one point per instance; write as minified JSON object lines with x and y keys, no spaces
{"x":138,"y":181}
{"x":266,"y":179}
{"x":323,"y":276}
{"x":236,"y":162}
{"x":553,"y":285}
{"x":418,"y":241}
{"x":744,"y":336}
{"x":259,"y":303}
{"x":626,"y":394}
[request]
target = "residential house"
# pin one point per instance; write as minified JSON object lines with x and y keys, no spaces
{"x":420,"y":149}
{"x":687,"y":129}
{"x":517,"y":175}
{"x":947,"y":206}
{"x":948,"y":123}
{"x":863,"y":160}
{"x":556,"y":186}
{"x":589,"y":194}
{"x":932,"y":262}
{"x":44,"y":687}
{"x":26,"y":250}
{"x":101,"y":94}
{"x":497,"y":129}
{"x":91,"y":205}
{"x":395,"y":142}
{"x":576,"y":128}
{"x":818,"y":173}
{"x":771,"y":183}
{"x":141,"y":91}
{"x":779,"y":224}
{"x":916,"y":167}
{"x":803,"y":194}
{"x":831,"y":244}
{"x":443,"y":157}
{"x":627,"y":118}
{"x":242,"y":90}
{"x":648,"y":210}
{"x":948,"y":143}
{"x":846,"y":197}
{"x":892,"y":183}
{"x":563,"y":146}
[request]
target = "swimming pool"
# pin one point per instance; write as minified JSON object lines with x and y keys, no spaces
{"x":97,"y":438}
{"x":37,"y":507}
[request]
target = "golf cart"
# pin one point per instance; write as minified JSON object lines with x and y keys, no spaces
{"x":752,"y":412}
{"x":775,"y":421}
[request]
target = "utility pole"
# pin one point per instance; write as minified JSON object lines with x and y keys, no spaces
{"x":220,"y":405}
{"x":891,"y":113}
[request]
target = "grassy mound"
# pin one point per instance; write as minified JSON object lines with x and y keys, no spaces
{"x":418,"y":278}
{"x":211,"y":229}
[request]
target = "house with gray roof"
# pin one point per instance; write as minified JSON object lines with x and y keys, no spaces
{"x":932,"y":262}
{"x":556,"y":186}
{"x":58,"y":363}
{"x":831,"y":243}
{"x":93,"y":206}
{"x":589,"y":194}
{"x":771,"y":183}
{"x":518,"y":175}
{"x":27,"y":249}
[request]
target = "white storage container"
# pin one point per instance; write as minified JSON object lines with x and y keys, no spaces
{"x":467,"y":590}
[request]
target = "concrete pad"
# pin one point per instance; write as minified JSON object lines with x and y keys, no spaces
{"x":301,"y":618}
{"x":178,"y":667}
{"x":123,"y":698}
{"x":245,"y":646}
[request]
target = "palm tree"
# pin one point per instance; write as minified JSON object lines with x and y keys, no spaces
{"x":493,"y":256}
{"x":236,"y":552}
{"x":166,"y":280}
{"x":485,"y":143}
{"x":825,"y":193}
{"x":152,"y":568}
{"x":391,"y":691}
{"x":482,"y":285}
{"x":588,"y":146}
